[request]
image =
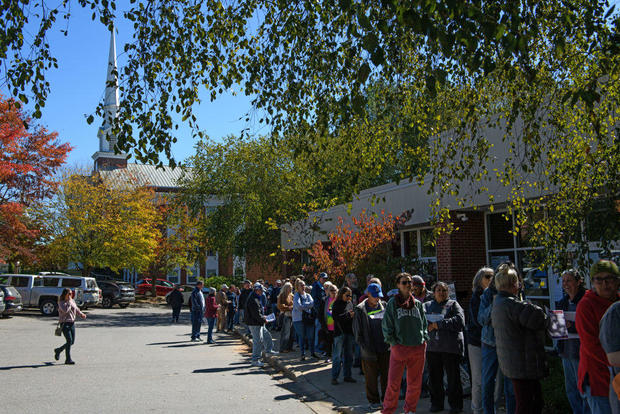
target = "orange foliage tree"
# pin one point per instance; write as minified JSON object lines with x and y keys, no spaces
{"x":352,"y":247}
{"x":29,"y":159}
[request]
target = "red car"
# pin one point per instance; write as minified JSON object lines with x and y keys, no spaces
{"x":162,"y":287}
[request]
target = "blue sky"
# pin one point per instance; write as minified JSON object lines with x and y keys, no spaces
{"x":77,"y":86}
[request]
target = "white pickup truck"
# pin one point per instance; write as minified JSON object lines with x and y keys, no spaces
{"x":43,"y":291}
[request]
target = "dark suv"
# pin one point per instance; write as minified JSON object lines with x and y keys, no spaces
{"x":12,"y":300}
{"x":116,"y":293}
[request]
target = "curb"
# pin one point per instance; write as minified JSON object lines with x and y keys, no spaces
{"x":273,"y":361}
{"x":309,"y":388}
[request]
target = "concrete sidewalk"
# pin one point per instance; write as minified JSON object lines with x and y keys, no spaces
{"x":314,"y":378}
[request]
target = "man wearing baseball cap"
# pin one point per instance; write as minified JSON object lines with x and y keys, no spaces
{"x":255,"y":318}
{"x":375,"y":353}
{"x":318,"y":295}
{"x":593,"y":374}
{"x":418,"y":288}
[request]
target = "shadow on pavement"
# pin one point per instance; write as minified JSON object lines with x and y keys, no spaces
{"x":45,"y":364}
{"x":214,"y":370}
{"x":124,"y":320}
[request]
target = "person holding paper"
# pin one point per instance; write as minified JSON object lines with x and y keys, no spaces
{"x":405,"y":329}
{"x":568,"y":349}
{"x":374,"y":352}
{"x":445,"y":348}
{"x":520,"y":331}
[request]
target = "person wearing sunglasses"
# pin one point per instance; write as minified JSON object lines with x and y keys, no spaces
{"x":342,"y":352}
{"x":593,"y":371}
{"x":445,"y":348}
{"x":405,"y":329}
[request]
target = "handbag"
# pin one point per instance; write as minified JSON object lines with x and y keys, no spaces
{"x":58,"y":330}
{"x":308,"y":317}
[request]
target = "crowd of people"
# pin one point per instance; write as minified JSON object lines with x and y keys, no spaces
{"x":412,"y":340}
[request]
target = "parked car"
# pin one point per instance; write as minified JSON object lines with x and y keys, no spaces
{"x":116,"y":293}
{"x":12,"y":300}
{"x":43,"y":291}
{"x":2,"y":304}
{"x":162,"y":287}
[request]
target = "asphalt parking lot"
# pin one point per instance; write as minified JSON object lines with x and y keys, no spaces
{"x":133,"y":361}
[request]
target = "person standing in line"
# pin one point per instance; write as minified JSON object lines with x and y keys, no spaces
{"x":405,"y":329}
{"x":232,"y":308}
{"x":176,"y":302}
{"x":520,"y":332}
{"x":273,"y":303}
{"x":236,"y":318}
{"x":445,"y":349}
{"x":255,"y":318}
{"x":375,"y":352}
{"x":222,"y":302}
{"x":342,"y":354}
{"x":67,"y":311}
{"x":491,"y":374}
{"x":197,"y":300}
{"x":419,"y":289}
{"x":285,"y":305}
{"x":593,"y":364}
{"x":211,"y":314}
{"x":610,"y":341}
{"x":332,"y":293}
{"x":304,"y":326}
{"x":568,"y":349}
{"x":318,"y":296}
{"x":350,"y":281}
{"x":474,"y":331}
{"x":243,"y":298}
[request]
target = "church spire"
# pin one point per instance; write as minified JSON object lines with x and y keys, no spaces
{"x":111,"y":101}
{"x":105,"y":158}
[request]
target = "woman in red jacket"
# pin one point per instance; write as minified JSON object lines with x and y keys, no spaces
{"x":593,"y":372}
{"x":211,"y":313}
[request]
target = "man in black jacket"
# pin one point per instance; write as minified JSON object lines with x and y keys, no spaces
{"x":243,"y":298}
{"x":375,"y":353}
{"x":255,"y":319}
{"x":176,"y":301}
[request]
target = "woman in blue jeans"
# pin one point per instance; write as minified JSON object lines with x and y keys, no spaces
{"x":303,"y":302}
{"x":342,"y":353}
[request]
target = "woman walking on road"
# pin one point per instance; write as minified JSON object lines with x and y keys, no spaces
{"x":67,"y":311}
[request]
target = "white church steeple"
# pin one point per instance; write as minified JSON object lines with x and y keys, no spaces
{"x":105,"y":158}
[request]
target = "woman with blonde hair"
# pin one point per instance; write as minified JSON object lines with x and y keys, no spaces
{"x":285,"y":306}
{"x":67,"y":311}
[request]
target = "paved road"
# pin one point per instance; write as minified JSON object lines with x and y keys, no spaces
{"x":133,"y":361}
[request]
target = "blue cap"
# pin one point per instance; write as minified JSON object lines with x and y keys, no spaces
{"x":374,"y":290}
{"x":323,"y":275}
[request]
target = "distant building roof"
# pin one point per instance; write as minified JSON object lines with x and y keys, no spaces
{"x":163,"y":178}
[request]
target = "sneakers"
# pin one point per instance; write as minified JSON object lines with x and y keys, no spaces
{"x":349,"y":379}
{"x":194,"y":340}
{"x":272,"y":353}
{"x":57,"y":354}
{"x":374,"y":407}
{"x":199,"y":339}
{"x":210,"y":341}
{"x":69,"y":362}
{"x":257,"y":364}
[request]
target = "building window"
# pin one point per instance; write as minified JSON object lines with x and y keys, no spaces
{"x":499,"y":232}
{"x":193,"y":273}
{"x":174,"y":276}
{"x":418,"y":245}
